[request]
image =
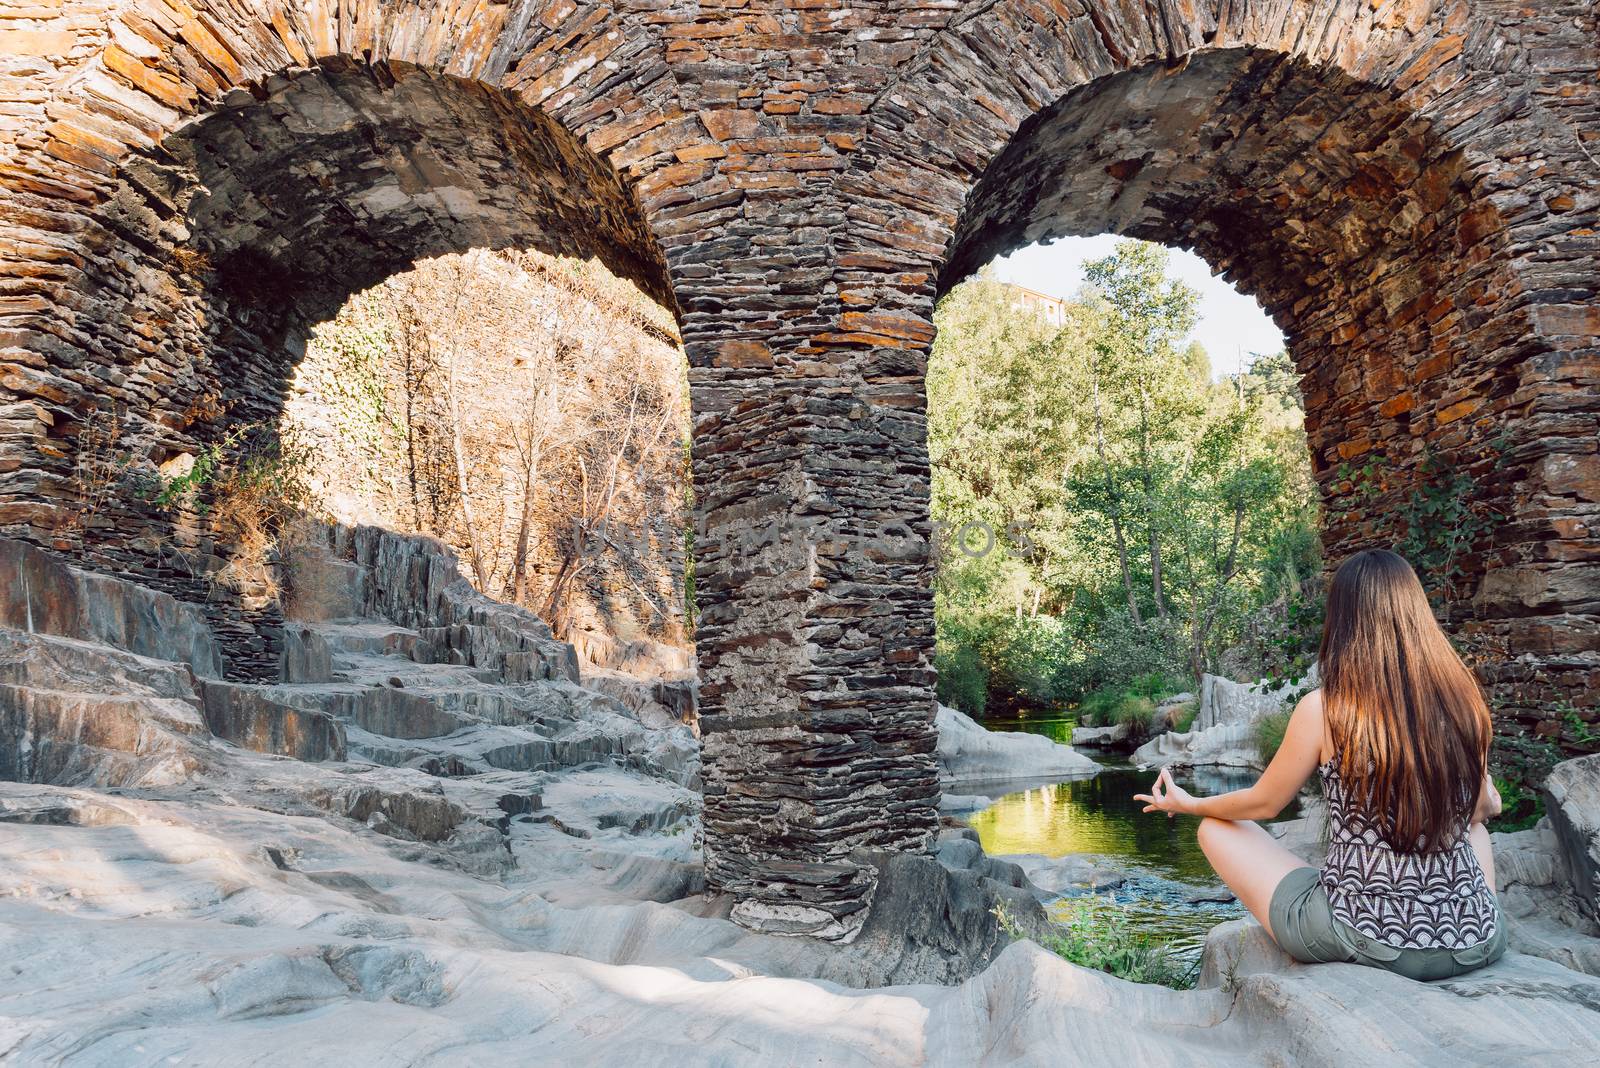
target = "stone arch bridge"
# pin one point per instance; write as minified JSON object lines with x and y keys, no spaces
{"x":1410,"y":187}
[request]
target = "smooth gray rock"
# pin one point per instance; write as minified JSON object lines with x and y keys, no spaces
{"x":1545,"y":915}
{"x":1225,"y":702}
{"x":1230,"y":745}
{"x":1073,"y":872}
{"x":932,"y":924}
{"x":76,"y":713}
{"x":214,"y":926}
{"x":1101,"y":737}
{"x":969,"y":753}
{"x":1572,"y":798}
{"x":305,"y":656}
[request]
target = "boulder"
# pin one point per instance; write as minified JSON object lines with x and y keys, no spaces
{"x":931,"y":923}
{"x":1102,"y":737}
{"x":1228,"y":745}
{"x":959,"y":849}
{"x":1572,"y":798}
{"x":1073,"y":872}
{"x":1238,"y":949}
{"x":969,"y":753}
{"x":1225,"y":702}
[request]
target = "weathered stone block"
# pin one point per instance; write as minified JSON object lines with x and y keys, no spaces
{"x":243,"y":715}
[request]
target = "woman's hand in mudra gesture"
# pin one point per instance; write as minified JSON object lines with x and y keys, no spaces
{"x":1167,"y":796}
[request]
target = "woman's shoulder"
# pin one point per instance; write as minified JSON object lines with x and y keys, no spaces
{"x":1310,"y":704}
{"x":1309,"y":709}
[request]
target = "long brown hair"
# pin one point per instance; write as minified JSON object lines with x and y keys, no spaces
{"x":1409,"y":724}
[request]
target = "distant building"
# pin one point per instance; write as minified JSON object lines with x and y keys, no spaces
{"x":1053,"y":309}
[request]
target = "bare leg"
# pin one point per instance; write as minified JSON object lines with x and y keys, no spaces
{"x":1249,"y":860}
{"x":1478,"y":835}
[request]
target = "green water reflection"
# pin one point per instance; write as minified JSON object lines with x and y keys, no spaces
{"x":1099,"y":815}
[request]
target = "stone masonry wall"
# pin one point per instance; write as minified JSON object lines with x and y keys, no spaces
{"x":1409,"y":185}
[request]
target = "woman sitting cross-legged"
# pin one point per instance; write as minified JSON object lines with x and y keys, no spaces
{"x":1400,"y":734}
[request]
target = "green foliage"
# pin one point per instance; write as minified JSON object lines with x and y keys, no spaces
{"x":1143,"y":515}
{"x":1269,"y":731}
{"x":1097,"y":708}
{"x":1112,"y":651}
{"x":1577,"y":732}
{"x":189,"y":487}
{"x":1131,"y":703}
{"x":1520,"y":764}
{"x":1157,"y":685}
{"x":1098,"y":934}
{"x":253,"y":486}
{"x":1521,"y":806}
{"x":1183,"y":716}
{"x":1443,"y":514}
{"x":963,"y":682}
{"x":1135,"y":713}
{"x":1523,"y":758}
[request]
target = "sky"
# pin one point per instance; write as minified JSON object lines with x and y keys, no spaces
{"x":1232,"y":325}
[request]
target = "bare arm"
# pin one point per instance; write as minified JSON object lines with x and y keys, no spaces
{"x":1296,"y":760}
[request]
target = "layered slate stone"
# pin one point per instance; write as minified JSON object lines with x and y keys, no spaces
{"x":1409,"y":186}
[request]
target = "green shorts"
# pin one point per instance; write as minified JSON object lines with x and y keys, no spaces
{"x":1303,"y":924}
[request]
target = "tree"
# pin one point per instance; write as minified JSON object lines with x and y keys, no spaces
{"x":1145,"y":316}
{"x":520,"y":397}
{"x":1142,"y":512}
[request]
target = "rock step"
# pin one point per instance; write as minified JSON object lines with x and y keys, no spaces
{"x":76,"y":713}
{"x":489,"y":747}
{"x":370,"y":636}
{"x":585,"y":804}
{"x":392,"y":713}
{"x":251,"y":716}
{"x":39,"y":594}
{"x":87,"y":739}
{"x":378,"y":670}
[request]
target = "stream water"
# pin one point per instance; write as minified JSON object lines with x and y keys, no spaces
{"x":1169,"y":877}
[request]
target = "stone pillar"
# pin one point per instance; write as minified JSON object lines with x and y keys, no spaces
{"x":816,"y":615}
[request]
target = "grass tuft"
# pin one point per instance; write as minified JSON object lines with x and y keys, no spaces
{"x":1100,"y":935}
{"x":1269,"y":732}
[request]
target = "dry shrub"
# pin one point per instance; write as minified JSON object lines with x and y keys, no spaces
{"x":256,"y":505}
{"x":254,"y":486}
{"x":100,"y":468}
{"x":528,"y":410}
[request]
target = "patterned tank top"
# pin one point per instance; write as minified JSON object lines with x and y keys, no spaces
{"x":1405,"y":900}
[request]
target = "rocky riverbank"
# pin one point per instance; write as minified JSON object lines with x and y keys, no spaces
{"x":1223,"y":733}
{"x":433,"y":843}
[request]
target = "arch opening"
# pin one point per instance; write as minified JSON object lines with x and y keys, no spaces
{"x":245,"y":228}
{"x":1325,"y":199}
{"x":1368,"y":238}
{"x":1123,"y":497}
